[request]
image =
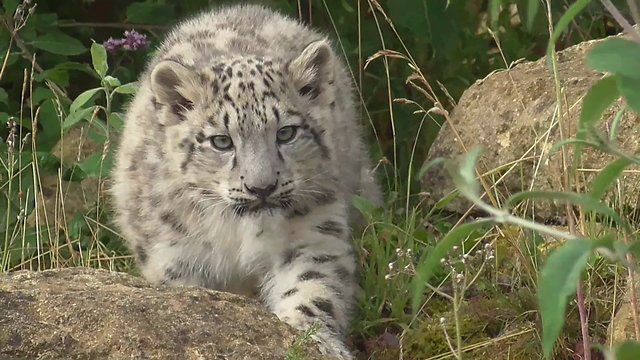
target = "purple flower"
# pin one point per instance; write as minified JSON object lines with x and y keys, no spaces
{"x":132,"y":41}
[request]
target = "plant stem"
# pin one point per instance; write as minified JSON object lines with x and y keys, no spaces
{"x":584,"y":321}
{"x":633,"y":298}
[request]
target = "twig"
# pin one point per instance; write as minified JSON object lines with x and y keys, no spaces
{"x":633,"y":298}
{"x":621,"y":20}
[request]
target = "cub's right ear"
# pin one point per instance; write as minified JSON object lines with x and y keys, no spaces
{"x":174,"y":85}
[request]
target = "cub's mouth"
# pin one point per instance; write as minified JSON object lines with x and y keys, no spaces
{"x":261,"y":207}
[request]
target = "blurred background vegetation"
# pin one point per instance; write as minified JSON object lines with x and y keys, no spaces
{"x":46,"y":65}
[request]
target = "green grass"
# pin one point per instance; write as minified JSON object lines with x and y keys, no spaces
{"x":481,"y":302}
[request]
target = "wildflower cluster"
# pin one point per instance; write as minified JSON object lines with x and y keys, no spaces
{"x":404,"y":264}
{"x":459,"y":264}
{"x":132,"y":41}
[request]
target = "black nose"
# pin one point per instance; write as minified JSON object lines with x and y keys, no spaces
{"x":262,"y":192}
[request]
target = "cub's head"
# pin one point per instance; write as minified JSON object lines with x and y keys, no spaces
{"x":248,"y":133}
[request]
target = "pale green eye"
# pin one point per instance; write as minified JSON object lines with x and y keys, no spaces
{"x":222,"y":142}
{"x":286,"y":134}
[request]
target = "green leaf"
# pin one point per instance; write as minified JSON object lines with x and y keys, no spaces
{"x":4,"y":97}
{"x":116,"y":121}
{"x":59,"y":43}
{"x":607,"y":176}
{"x":494,"y":13}
{"x":129,"y":88}
{"x":464,"y":176}
{"x":364,"y":205}
{"x":99,"y":59}
{"x":580,"y":199}
{"x":82,"y":99}
{"x":10,"y":6}
{"x":617,"y":56}
{"x":532,"y":11}
{"x":110,"y":81}
{"x":558,"y":281}
{"x":97,"y":165}
{"x":75,"y":117}
{"x":598,"y":99}
{"x":628,"y":350}
{"x":630,"y":90}
{"x":150,"y":12}
{"x":564,"y":22}
{"x":426,"y":268}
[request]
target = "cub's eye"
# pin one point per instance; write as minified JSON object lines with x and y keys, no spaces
{"x":286,"y":134}
{"x":222,"y":142}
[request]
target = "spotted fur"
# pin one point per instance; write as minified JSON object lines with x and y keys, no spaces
{"x":240,"y":156}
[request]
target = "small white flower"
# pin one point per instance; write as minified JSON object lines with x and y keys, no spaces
{"x":387,"y":277}
{"x":391,"y":264}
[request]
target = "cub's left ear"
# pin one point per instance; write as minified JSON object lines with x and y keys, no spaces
{"x":313,"y":69}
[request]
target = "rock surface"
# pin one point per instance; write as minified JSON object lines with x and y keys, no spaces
{"x":82,"y":313}
{"x":512,"y":115}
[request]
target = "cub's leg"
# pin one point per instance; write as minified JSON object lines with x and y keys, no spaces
{"x":314,"y":281}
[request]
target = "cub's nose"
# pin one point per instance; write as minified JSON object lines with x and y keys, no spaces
{"x":262,"y":192}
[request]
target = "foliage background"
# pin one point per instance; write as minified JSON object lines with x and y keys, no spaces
{"x":45,"y":49}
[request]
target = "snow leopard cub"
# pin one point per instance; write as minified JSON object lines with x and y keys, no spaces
{"x":240,"y":155}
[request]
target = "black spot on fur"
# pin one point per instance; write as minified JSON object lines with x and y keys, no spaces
{"x":289,"y":293}
{"x":330,"y":227}
{"x":142,"y":254}
{"x":172,"y":274}
{"x":311,"y":275}
{"x":305,"y":310}
{"x":342,"y":272}
{"x":312,"y":92}
{"x":276,"y":114}
{"x":200,"y":137}
{"x":321,"y":259}
{"x":290,"y":255}
{"x":320,"y":142}
{"x":175,"y":223}
{"x":324,"y":305}
{"x":190,"y":151}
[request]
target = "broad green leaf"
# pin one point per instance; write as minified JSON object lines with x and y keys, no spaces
{"x":99,"y":59}
{"x":607,"y":176}
{"x":464,"y":175}
{"x":10,"y":6}
{"x":111,"y":81}
{"x":580,"y":199}
{"x":617,"y":56}
{"x":75,"y":117}
{"x":426,"y":268}
{"x":564,"y":22}
{"x":630,"y":90}
{"x":82,"y":99}
{"x":129,"y":88}
{"x":598,"y":99}
{"x":558,"y":281}
{"x":97,"y":165}
{"x":116,"y":121}
{"x":628,"y":350}
{"x":59,"y":43}
{"x":150,"y":12}
{"x":4,"y":97}
{"x":364,"y":205}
